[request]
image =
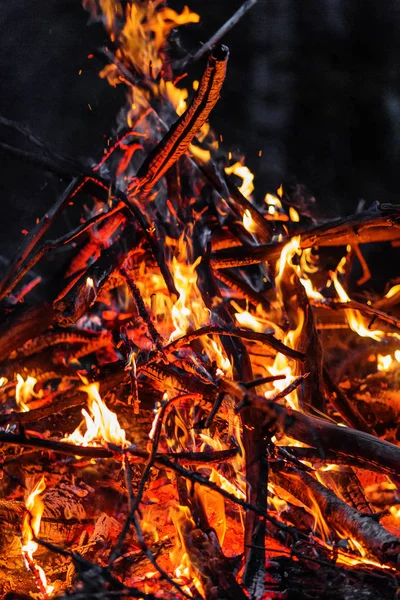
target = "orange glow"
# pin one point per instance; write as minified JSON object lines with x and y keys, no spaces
{"x":102,"y":424}
{"x":30,"y":530}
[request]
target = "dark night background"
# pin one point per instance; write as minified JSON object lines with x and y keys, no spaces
{"x":314,"y":84}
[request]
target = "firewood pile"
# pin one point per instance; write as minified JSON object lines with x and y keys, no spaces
{"x":191,"y":403}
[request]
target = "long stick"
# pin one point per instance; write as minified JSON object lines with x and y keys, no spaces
{"x":323,"y":434}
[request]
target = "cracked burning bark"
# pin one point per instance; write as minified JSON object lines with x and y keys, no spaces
{"x":149,"y":375}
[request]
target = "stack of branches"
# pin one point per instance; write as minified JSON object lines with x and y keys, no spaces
{"x":77,"y":325}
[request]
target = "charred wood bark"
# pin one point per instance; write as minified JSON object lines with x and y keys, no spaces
{"x":70,"y":306}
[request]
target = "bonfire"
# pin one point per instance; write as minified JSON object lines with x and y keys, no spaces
{"x":193,"y":402}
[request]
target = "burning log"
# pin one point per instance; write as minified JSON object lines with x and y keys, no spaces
{"x":364,"y":528}
{"x":378,"y":224}
{"x":178,"y":138}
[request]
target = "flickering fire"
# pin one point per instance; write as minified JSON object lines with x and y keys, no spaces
{"x":354,"y":317}
{"x":189,"y":310}
{"x":248,"y":222}
{"x":184,"y":570}
{"x":101,"y":424}
{"x":25,"y":391}
{"x":30,"y":530}
{"x":245,"y":174}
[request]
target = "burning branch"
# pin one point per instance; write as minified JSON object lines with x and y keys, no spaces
{"x":178,"y":138}
{"x":364,"y":528}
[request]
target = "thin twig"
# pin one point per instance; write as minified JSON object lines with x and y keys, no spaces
{"x":218,"y":35}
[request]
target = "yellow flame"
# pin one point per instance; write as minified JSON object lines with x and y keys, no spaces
{"x":294,"y":215}
{"x":248,"y":320}
{"x":183,"y":317}
{"x":189,"y":311}
{"x":273,"y":203}
{"x":245,"y":174}
{"x":202,"y":155}
{"x":393,"y":291}
{"x":89,"y":282}
{"x":101,"y":425}
{"x":144,"y":34}
{"x":282,"y":366}
{"x":24,"y":392}
{"x":30,"y":529}
{"x":320,"y":523}
{"x":395,"y":511}
{"x":177,"y":97}
{"x":288,"y":252}
{"x":354,"y":317}
{"x":248,"y":222}
{"x":184,"y":524}
{"x":311,"y":292}
{"x":278,"y":503}
{"x":384,"y":362}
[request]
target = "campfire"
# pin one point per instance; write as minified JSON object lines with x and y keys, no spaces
{"x":197,"y":400}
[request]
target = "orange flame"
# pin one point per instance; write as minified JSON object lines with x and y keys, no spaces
{"x":245,"y":174}
{"x":354,"y":318}
{"x":24,"y":392}
{"x":189,"y":310}
{"x":101,"y":425}
{"x":179,"y":556}
{"x":30,"y":530}
{"x":248,"y":222}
